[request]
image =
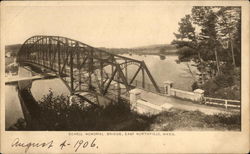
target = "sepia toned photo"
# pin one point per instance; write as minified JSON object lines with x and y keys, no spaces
{"x":121,"y":67}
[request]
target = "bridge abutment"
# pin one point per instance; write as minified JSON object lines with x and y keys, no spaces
{"x":167,"y":87}
{"x":135,"y":95}
{"x":199,"y":93}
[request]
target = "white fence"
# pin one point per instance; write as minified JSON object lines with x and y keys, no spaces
{"x":198,"y":96}
{"x":206,"y":100}
{"x":222,"y":102}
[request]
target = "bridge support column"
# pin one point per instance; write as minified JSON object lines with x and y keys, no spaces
{"x":135,"y":95}
{"x":167,"y":87}
{"x":199,"y":95}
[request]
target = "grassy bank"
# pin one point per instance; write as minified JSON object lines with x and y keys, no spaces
{"x":195,"y":120}
{"x":57,"y":114}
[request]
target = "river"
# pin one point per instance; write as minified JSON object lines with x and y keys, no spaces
{"x":161,"y":68}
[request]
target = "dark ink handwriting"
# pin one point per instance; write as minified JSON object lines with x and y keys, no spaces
{"x":85,"y":144}
{"x":18,"y":143}
{"x":79,"y":144}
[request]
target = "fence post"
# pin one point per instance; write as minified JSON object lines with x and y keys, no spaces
{"x":167,"y":87}
{"x":135,"y":94}
{"x":199,"y":95}
{"x":226,"y":104}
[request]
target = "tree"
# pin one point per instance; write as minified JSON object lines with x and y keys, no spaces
{"x":215,"y":34}
{"x":186,"y":37}
{"x":228,"y":29}
{"x":205,"y":17}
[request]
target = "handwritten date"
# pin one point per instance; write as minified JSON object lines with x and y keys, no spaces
{"x":80,"y":144}
{"x":76,"y":145}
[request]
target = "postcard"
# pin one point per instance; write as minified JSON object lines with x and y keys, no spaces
{"x":124,"y":77}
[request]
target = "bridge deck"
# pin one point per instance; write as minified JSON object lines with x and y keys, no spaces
{"x":13,"y":79}
{"x":179,"y":103}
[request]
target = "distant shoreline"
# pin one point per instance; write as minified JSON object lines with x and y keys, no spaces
{"x":162,"y":49}
{"x":159,"y":49}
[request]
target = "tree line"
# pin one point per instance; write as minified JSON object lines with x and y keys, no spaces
{"x":211,"y":36}
{"x":211,"y":33}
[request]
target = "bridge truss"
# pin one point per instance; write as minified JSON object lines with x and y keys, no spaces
{"x":83,"y":68}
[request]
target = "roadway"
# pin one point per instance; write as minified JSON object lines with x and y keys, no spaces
{"x":180,"y":103}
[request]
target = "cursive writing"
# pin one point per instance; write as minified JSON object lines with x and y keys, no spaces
{"x":18,"y":143}
{"x":74,"y":145}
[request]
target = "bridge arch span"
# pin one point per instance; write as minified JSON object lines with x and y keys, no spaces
{"x":75,"y":63}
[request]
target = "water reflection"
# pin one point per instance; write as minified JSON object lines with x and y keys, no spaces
{"x":22,"y":110}
{"x":13,"y":110}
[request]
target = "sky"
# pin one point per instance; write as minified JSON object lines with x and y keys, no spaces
{"x":118,"y":25}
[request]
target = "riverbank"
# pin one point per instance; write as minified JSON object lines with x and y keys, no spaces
{"x":57,"y":114}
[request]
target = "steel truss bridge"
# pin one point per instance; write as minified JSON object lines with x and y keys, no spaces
{"x":85,"y":69}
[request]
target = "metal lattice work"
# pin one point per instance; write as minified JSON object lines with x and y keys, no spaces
{"x":83,"y":68}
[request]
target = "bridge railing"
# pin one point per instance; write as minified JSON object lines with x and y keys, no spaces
{"x":236,"y":104}
{"x":223,"y":102}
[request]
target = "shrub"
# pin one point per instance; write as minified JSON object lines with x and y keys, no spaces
{"x":58,"y":114}
{"x":224,"y":80}
{"x":185,"y":53}
{"x":210,"y":87}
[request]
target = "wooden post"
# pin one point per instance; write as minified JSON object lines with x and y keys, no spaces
{"x":226,"y":104}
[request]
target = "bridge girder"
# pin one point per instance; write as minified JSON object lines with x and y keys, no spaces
{"x":82,"y":64}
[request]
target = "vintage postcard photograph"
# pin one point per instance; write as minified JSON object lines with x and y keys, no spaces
{"x":123,"y":67}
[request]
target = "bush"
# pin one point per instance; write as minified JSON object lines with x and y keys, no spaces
{"x":58,"y":114}
{"x":185,"y":53}
{"x":224,"y":80}
{"x":224,"y":85}
{"x":210,"y":87}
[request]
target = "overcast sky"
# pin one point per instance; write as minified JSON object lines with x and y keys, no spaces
{"x":100,"y":25}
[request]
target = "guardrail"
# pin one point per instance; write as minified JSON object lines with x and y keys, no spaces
{"x":192,"y":96}
{"x":222,"y":102}
{"x":187,"y":95}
